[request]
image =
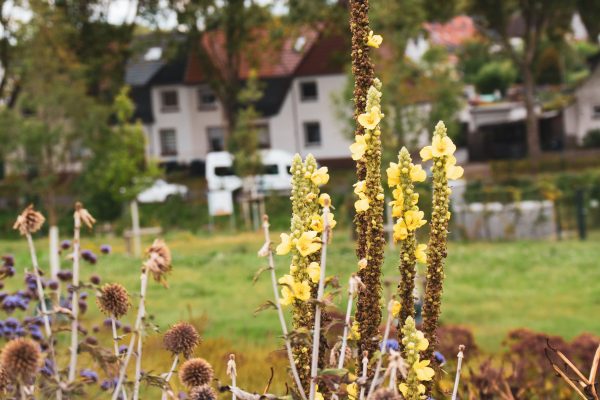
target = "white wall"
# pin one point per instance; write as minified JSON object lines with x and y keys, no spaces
{"x":578,"y":117}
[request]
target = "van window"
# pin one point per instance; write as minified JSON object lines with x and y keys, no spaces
{"x":224,"y":171}
{"x":271,"y":169}
{"x":289,"y":169}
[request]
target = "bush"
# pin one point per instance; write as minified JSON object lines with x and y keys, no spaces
{"x":592,"y":138}
{"x":497,"y":75}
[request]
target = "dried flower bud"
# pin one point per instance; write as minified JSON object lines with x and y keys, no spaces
{"x":204,"y":392}
{"x":83,"y":215}
{"x":385,"y":394}
{"x":182,"y":338}
{"x":30,"y":221}
{"x":21,"y":359}
{"x":159,"y":260}
{"x":195,"y":372}
{"x":4,"y":380}
{"x":113,"y":299}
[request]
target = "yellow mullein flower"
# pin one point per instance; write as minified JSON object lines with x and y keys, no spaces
{"x":361,"y":205}
{"x":320,"y":176}
{"x":422,"y":342}
{"x":396,"y":307}
{"x":293,"y":269}
{"x":374,"y":40}
{"x":420,"y":253}
{"x":454,"y":172}
{"x":314,"y":271}
{"x":362,"y":264}
{"x":352,"y":390}
{"x":360,"y":187}
{"x":403,"y":388}
{"x":354,"y":331}
{"x":287,"y":280}
{"x":318,"y":395}
{"x":414,"y":219}
{"x":302,"y":290}
{"x":285,"y":246}
{"x":371,"y":119}
{"x":397,"y":207}
{"x":400,"y":230}
{"x":308,"y":243}
{"x":324,"y":199}
{"x":417,"y":173}
{"x":426,"y":153}
{"x":424,"y":373}
{"x":287,"y":296}
{"x":442,"y":146}
{"x":393,"y":175}
{"x":311,"y":196}
{"x":359,"y":147}
{"x":316,"y":222}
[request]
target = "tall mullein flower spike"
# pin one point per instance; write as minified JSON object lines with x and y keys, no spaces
{"x":414,"y":343}
{"x":304,"y":243}
{"x":409,"y":218}
{"x":369,"y":210}
{"x":444,"y":168}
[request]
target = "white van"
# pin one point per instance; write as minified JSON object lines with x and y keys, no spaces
{"x":276,"y":175}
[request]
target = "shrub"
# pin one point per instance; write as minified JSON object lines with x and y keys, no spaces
{"x":497,"y":75}
{"x":592,"y":138}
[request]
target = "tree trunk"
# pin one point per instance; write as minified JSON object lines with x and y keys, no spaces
{"x":534,"y":149}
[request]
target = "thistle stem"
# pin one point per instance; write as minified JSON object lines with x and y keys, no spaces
{"x":460,"y":357}
{"x":136,"y":334}
{"x":351,"y":291}
{"x":75,"y":299}
{"x":386,"y":335}
{"x":169,"y":375}
{"x":365,"y":366}
{"x":138,"y":369}
{"x":113,"y":322}
{"x":320,"y":291}
{"x":288,"y":345}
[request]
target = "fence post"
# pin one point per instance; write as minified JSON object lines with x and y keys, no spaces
{"x":580,"y":206}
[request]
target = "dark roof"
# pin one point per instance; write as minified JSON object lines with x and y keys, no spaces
{"x":172,"y":72}
{"x":274,"y":91}
{"x":139,"y":73}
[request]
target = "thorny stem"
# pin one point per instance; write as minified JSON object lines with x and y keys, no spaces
{"x":320,"y":291}
{"x":169,"y":375}
{"x":288,"y":345}
{"x":46,"y":319}
{"x":136,"y":334}
{"x":75,"y":298}
{"x":386,"y":335}
{"x":113,"y":322}
{"x":460,"y":357}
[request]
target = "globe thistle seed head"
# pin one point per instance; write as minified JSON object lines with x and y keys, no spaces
{"x":182,"y":338}
{"x":29,"y":221}
{"x":113,"y":299}
{"x":4,"y":380}
{"x":21,"y":359}
{"x":159,"y":261}
{"x":195,"y":372}
{"x":204,"y":392}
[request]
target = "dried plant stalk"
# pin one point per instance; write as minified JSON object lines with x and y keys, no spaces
{"x":75,"y":296}
{"x":459,"y":357}
{"x":169,"y":375}
{"x":386,"y":335}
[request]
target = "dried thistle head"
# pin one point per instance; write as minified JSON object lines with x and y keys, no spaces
{"x":159,"y":261}
{"x":385,"y":394}
{"x":29,"y":221}
{"x":4,"y":380}
{"x":113,"y":299}
{"x":182,"y":338}
{"x":21,"y":358}
{"x":195,"y":372}
{"x":83,"y":215}
{"x":204,"y":392}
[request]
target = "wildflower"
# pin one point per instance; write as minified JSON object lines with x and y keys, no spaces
{"x":105,"y":249}
{"x":204,"y":392}
{"x":400,"y":230}
{"x":352,"y":390}
{"x":403,"y":387}
{"x":308,"y":243}
{"x":30,"y":221}
{"x":397,"y":207}
{"x":396,"y":307}
{"x":316,"y":222}
{"x":442,"y":146}
{"x":320,"y":176}
{"x":361,"y":205}
{"x":196,"y":372}
{"x":384,"y":393}
{"x":301,"y":290}
{"x":358,"y":148}
{"x":362,"y":263}
{"x":287,"y":296}
{"x":414,"y":219}
{"x":393,"y":174}
{"x":374,"y":40}
{"x":84,"y":216}
{"x":454,"y":172}
{"x":113,"y":300}
{"x":159,"y":260}
{"x":354,"y":331}
{"x":421,"y":254}
{"x":314,"y":272}
{"x":424,"y":373}
{"x":21,"y":359}
{"x":360,"y":187}
{"x":417,"y":173}
{"x":285,"y":246}
{"x":324,"y":199}
{"x":89,"y":376}
{"x":371,"y":119}
{"x":181,"y":338}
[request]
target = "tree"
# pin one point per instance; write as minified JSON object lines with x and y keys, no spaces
{"x":537,"y":16}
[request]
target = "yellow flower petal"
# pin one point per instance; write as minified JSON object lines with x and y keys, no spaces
{"x":374,"y":40}
{"x":361,"y":205}
{"x":421,"y":254}
{"x":324,"y":199}
{"x":308,"y":243}
{"x":417,"y":173}
{"x":371,"y":119}
{"x":442,"y":146}
{"x":285,"y":246}
{"x":454,"y":172}
{"x":320,"y":176}
{"x":393,"y":174}
{"x":358,"y":148}
{"x":426,"y":153}
{"x":314,"y":272}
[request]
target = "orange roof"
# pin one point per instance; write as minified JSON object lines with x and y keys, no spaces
{"x":452,"y":33}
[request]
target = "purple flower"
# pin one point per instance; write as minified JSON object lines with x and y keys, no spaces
{"x":89,"y":376}
{"x":122,"y":349}
{"x":391,"y":344}
{"x":95,"y":279}
{"x":105,"y":249}
{"x":65,"y":275}
{"x":8,"y":260}
{"x":65,"y":245}
{"x":53,"y":284}
{"x":89,"y":256}
{"x":48,"y":368}
{"x":439,"y":357}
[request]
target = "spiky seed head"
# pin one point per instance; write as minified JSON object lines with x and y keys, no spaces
{"x":159,"y":260}
{"x":113,"y":300}
{"x":30,"y":221}
{"x":21,"y":358}
{"x":182,"y":338}
{"x":195,"y":372}
{"x":386,"y":394}
{"x":4,"y":380}
{"x":204,"y":392}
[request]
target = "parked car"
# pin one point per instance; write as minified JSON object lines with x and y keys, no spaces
{"x":160,"y":191}
{"x":275,"y":177}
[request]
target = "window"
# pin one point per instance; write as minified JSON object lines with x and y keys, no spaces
{"x":207,"y":100}
{"x":168,"y":142}
{"x":271,"y":169}
{"x":308,"y":91}
{"x":264,"y":137}
{"x":596,"y":112}
{"x":312,"y":133}
{"x":216,"y":138}
{"x":224,"y":171}
{"x":169,"y":100}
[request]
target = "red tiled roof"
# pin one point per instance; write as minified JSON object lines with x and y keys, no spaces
{"x":452,"y":33}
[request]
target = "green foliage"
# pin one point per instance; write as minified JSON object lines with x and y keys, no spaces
{"x":592,"y":138}
{"x":473,"y":55}
{"x":496,"y":75}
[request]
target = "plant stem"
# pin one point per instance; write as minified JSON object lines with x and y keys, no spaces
{"x":386,"y":335}
{"x":320,"y":291}
{"x":168,"y":377}
{"x":365,"y":366}
{"x":351,"y":291}
{"x":138,"y":369}
{"x":288,"y":345}
{"x":460,"y":357}
{"x":75,"y":298}
{"x":136,"y":333}
{"x":116,"y":344}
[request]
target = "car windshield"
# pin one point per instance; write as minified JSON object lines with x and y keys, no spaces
{"x":271,"y":169}
{"x":224,"y":171}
